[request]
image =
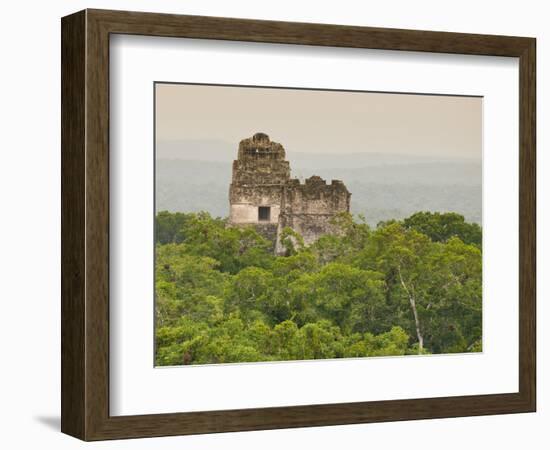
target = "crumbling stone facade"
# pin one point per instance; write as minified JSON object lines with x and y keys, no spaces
{"x":263,"y":194}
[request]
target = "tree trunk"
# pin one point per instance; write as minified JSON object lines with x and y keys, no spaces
{"x":412,"y":302}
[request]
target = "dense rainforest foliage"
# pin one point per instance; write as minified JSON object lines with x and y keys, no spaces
{"x":405,"y":287}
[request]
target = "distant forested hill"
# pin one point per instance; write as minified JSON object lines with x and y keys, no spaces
{"x":383,"y":186}
{"x":195,"y":175}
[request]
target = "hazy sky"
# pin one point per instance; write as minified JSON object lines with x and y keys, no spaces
{"x":323,"y":121}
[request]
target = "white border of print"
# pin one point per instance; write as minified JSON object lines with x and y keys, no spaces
{"x":136,"y":387}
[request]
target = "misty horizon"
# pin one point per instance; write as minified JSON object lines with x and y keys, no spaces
{"x":212,"y":149}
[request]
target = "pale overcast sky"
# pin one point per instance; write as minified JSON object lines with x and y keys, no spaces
{"x":323,"y":121}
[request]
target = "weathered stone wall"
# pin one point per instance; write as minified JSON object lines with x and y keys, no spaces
{"x":244,"y":213}
{"x":309,"y":208}
{"x":260,"y":162}
{"x":315,"y":196}
{"x":254,"y":193}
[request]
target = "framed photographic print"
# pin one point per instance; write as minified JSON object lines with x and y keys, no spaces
{"x":272,"y":225}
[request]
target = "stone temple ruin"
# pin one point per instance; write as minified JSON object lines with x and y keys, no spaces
{"x":263,"y":194}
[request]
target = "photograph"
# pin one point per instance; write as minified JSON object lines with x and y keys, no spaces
{"x":297,"y":224}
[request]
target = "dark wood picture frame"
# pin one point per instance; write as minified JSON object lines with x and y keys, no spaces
{"x":85,"y":224}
